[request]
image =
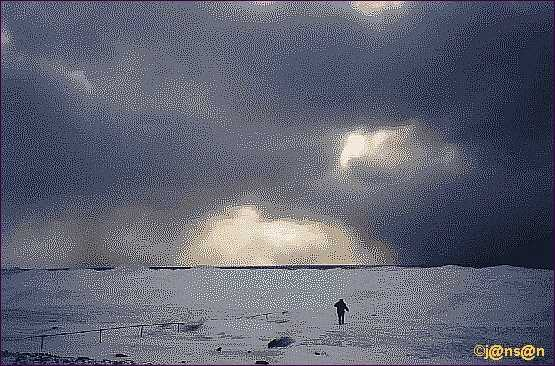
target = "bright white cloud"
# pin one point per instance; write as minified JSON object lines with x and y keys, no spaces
{"x":375,"y":7}
{"x":242,"y":236}
{"x":404,"y":150}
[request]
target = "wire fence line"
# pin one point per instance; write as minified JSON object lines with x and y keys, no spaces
{"x":141,"y":326}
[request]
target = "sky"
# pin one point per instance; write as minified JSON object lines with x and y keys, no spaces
{"x":265,"y":133}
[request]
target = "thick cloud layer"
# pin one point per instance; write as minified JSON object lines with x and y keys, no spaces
{"x":440,"y":112}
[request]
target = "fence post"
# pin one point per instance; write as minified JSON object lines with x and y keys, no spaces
{"x":141,"y":335}
{"x":100,"y":338}
{"x":41,"y":342}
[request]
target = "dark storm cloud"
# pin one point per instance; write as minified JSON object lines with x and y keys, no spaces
{"x":181,"y":108}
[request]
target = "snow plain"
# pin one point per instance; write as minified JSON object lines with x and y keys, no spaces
{"x":397,"y":315}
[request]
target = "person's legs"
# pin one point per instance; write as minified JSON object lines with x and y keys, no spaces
{"x":339,"y":317}
{"x":342,"y":318}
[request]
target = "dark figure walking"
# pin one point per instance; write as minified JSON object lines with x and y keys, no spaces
{"x":341,"y":307}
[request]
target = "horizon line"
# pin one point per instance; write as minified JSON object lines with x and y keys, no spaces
{"x":278,"y":266}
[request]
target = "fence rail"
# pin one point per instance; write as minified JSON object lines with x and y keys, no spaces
{"x":141,"y":326}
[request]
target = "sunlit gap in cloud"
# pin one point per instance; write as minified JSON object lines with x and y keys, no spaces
{"x":369,"y":8}
{"x":359,"y":145}
{"x":244,"y":236}
{"x":399,"y":149}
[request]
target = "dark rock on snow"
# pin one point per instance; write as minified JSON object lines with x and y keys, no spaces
{"x":280,"y":342}
{"x":190,"y":327}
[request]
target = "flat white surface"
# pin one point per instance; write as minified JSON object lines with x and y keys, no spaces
{"x":397,"y":315}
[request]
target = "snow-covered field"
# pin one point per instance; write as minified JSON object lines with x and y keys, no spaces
{"x":397,"y":315}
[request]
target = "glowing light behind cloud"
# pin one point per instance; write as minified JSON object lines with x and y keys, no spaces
{"x":242,"y":236}
{"x":401,"y":149}
{"x":375,"y":7}
{"x":384,"y":146}
{"x":356,"y":145}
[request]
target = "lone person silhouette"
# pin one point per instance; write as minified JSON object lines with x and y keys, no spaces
{"x":341,"y":307}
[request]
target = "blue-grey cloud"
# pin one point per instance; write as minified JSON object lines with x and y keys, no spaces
{"x":150,"y":104}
